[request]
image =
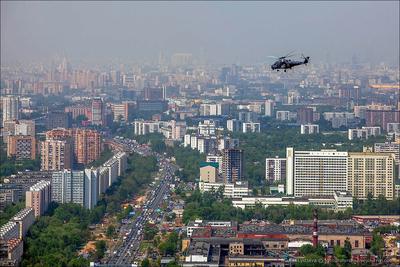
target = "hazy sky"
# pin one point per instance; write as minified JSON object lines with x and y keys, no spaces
{"x":226,"y":32}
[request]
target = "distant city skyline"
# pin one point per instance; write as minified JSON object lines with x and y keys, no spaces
{"x":222,"y":32}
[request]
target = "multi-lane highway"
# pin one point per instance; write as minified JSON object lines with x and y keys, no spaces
{"x":132,"y":232}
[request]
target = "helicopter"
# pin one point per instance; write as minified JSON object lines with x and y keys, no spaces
{"x":284,"y":63}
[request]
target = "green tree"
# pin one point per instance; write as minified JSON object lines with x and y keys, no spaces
{"x":377,"y":245}
{"x":310,"y":249}
{"x":100,"y":249}
{"x":169,"y":246}
{"x":149,"y":232}
{"x":110,"y":231}
{"x":145,"y":263}
{"x":339,"y":253}
{"x":347,"y":249}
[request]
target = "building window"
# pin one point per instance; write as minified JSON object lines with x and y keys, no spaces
{"x":338,"y":242}
{"x":356,"y":244}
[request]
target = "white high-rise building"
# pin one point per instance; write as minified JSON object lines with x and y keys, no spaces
{"x":309,"y":129}
{"x":91,"y":187}
{"x":251,"y":127}
{"x":233,"y":125}
{"x":142,"y":127}
{"x":315,"y":173}
{"x":275,"y":169}
{"x":214,"y":109}
{"x":284,"y":115}
{"x":10,"y":107}
{"x":68,"y":186}
{"x":186,"y":140}
{"x":269,"y":107}
{"x":207,"y":127}
{"x":364,"y":132}
{"x":371,"y":173}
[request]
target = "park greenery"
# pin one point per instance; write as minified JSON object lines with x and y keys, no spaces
{"x":188,"y":160}
{"x":170,"y":245}
{"x":10,"y":210}
{"x":273,"y":143}
{"x":55,"y":238}
{"x":212,"y":206}
{"x":270,"y":143}
{"x":150,"y":231}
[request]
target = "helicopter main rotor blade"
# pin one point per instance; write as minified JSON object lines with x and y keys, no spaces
{"x":290,"y":54}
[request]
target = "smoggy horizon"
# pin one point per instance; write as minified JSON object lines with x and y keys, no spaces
{"x":221,"y":32}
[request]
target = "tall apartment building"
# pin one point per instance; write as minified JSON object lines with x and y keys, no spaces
{"x":98,"y":112}
{"x":209,"y":172}
{"x":79,"y":110}
{"x":21,"y":147}
{"x":207,"y":127}
{"x":18,"y":127}
{"x":275,"y":169}
{"x":38,"y":197}
{"x":154,"y":93}
{"x":91,"y":188}
{"x":12,"y":250}
{"x":24,"y":219}
{"x":9,"y":231}
{"x":58,"y":119}
{"x":269,"y":108}
{"x":247,"y":116}
{"x":59,"y":134}
{"x":142,"y":127}
{"x":10,"y":107}
{"x":103,"y":180}
{"x":309,"y":129}
{"x":178,"y":130}
{"x":315,"y":173}
{"x":8,"y":195}
{"x":232,"y":165}
{"x":382,"y":117}
{"x":284,"y":115}
{"x":21,"y":182}
{"x":389,"y":147}
{"x":68,"y":186}
{"x":56,"y":155}
{"x":364,"y":132}
{"x":305,"y":115}
{"x":227,"y":142}
{"x":251,"y":127}
{"x":87,"y":143}
{"x":233,"y":125}
{"x":214,"y":109}
{"x":371,"y":173}
{"x":121,"y":111}
{"x":80,"y":187}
